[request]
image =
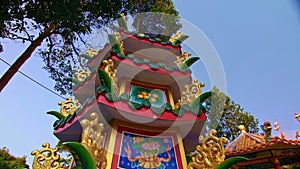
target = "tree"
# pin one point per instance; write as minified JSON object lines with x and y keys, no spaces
{"x":9,"y":161}
{"x":225,"y":116}
{"x":62,"y":25}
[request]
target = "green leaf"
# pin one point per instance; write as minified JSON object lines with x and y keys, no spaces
{"x":124,"y":96}
{"x":81,"y":154}
{"x":58,"y":115}
{"x":199,"y":100}
{"x":134,"y":105}
{"x":189,"y":62}
{"x":105,"y":81}
{"x":230,"y":162}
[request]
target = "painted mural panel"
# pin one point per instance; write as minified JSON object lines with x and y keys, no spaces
{"x":143,"y":152}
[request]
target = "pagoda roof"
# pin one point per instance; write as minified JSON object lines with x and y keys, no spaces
{"x":260,"y":152}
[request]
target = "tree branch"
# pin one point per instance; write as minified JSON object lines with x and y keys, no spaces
{"x":24,"y":57}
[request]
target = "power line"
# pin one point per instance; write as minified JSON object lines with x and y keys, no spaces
{"x":38,"y":83}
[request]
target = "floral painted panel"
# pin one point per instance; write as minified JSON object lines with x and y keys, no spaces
{"x":142,"y":152}
{"x":156,"y":97}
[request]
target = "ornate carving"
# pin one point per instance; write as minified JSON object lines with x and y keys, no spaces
{"x":92,"y":52}
{"x":92,"y":139}
{"x":111,"y":71}
{"x":68,"y":107}
{"x":210,"y":153}
{"x":175,"y":37}
{"x":118,"y":37}
{"x":192,"y":91}
{"x":82,"y":74}
{"x":47,"y":158}
{"x":182,"y":58}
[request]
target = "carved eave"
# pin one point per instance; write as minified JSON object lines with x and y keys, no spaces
{"x":133,"y":42}
{"x":121,"y":110}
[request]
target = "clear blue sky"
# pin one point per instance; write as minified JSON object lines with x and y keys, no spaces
{"x":258,"y":44}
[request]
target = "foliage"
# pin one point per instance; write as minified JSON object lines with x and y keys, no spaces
{"x":63,"y":26}
{"x":225,"y":116}
{"x":162,"y":25}
{"x":9,"y":161}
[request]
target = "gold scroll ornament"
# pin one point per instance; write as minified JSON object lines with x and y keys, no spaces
{"x":210,"y":152}
{"x":68,"y":107}
{"x":47,"y":158}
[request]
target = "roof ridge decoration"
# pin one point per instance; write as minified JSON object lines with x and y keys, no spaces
{"x":210,"y":152}
{"x":190,"y":94}
{"x":178,"y":38}
{"x":47,"y":158}
{"x":68,"y":107}
{"x":92,"y":139}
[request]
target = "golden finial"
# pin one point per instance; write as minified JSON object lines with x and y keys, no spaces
{"x":68,"y":107}
{"x":47,"y":158}
{"x":211,"y":152}
{"x":111,"y":71}
{"x":91,"y":52}
{"x":192,"y":91}
{"x":242,"y":128}
{"x":82,"y":74}
{"x":92,"y":138}
{"x":180,"y":60}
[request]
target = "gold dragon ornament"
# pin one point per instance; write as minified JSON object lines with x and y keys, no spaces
{"x":210,"y":152}
{"x":92,"y":139}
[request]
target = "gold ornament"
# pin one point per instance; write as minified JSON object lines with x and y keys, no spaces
{"x":47,"y":158}
{"x":192,"y":91}
{"x":175,"y":37}
{"x":118,"y":37}
{"x":92,"y":139}
{"x":111,"y":71}
{"x":92,"y":52}
{"x":82,"y":75}
{"x":297,"y":135}
{"x":211,"y":152}
{"x":180,"y":60}
{"x":68,"y":107}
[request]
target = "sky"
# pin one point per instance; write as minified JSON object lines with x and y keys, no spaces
{"x":257,"y":43}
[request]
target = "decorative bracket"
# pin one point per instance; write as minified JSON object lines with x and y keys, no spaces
{"x":92,"y":139}
{"x":47,"y":158}
{"x":192,"y":91}
{"x":210,"y":152}
{"x":68,"y":107}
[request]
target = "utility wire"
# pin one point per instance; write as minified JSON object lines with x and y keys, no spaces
{"x":43,"y":86}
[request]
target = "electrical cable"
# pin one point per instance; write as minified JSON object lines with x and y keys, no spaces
{"x":38,"y":83}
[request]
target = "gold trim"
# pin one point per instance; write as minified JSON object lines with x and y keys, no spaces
{"x":111,"y":145}
{"x":181,"y":149}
